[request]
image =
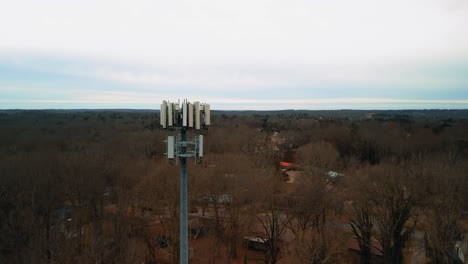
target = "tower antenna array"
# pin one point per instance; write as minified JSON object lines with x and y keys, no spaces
{"x":184,"y":116}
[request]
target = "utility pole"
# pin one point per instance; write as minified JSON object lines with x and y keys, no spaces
{"x":184,"y":117}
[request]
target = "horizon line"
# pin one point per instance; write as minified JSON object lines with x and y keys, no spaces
{"x":235,"y":110}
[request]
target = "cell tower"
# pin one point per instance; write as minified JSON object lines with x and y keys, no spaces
{"x":184,"y":116}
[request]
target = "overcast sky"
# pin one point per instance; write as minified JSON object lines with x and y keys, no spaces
{"x":360,"y":54}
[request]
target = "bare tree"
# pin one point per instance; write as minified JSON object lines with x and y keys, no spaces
{"x":309,"y":205}
{"x":273,"y":219}
{"x":361,"y":227}
{"x":393,"y":210}
{"x":320,"y":248}
{"x":322,"y":155}
{"x":237,"y":217}
{"x":441,"y":178}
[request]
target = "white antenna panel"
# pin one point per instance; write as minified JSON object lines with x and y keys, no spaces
{"x":163,"y":114}
{"x":190,"y":115}
{"x":176,"y":114}
{"x":200,"y":146}
{"x":207,"y":115}
{"x":197,"y":115}
{"x":170,"y":147}
{"x":169,"y":114}
{"x":184,"y":114}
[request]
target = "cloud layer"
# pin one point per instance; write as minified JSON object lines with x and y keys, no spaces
{"x":299,"y":54}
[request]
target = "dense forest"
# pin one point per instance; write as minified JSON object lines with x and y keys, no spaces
{"x":94,"y":186}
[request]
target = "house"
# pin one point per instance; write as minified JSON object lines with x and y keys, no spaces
{"x":286,"y":166}
{"x":200,"y":225}
{"x":334,"y":174}
{"x":255,"y":243}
